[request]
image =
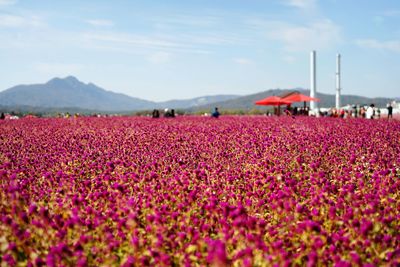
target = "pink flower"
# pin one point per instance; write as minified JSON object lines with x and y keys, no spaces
{"x":217,"y":253}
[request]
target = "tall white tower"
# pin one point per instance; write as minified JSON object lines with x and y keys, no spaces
{"x":338,"y":86}
{"x":313,"y":79}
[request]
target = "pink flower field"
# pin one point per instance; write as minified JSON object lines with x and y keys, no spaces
{"x":195,"y":191}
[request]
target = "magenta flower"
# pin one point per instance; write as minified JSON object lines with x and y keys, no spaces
{"x":217,"y":253}
{"x":242,"y":191}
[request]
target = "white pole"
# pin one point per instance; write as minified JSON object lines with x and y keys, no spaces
{"x":313,"y":78}
{"x":338,"y":86}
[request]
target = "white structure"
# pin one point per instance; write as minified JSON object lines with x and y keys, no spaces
{"x":313,"y":77}
{"x":338,"y":86}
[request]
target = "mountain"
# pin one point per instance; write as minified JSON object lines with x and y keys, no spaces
{"x":70,"y":92}
{"x":326,"y":100}
{"x":195,"y":102}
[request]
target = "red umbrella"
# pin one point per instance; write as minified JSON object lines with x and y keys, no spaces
{"x":273,"y":101}
{"x":297,"y":97}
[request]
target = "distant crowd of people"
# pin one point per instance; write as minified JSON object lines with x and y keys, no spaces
{"x":171,"y":113}
{"x":367,"y":112}
{"x":167,"y":113}
{"x":11,"y":116}
{"x":370,"y":112}
{"x":355,"y":111}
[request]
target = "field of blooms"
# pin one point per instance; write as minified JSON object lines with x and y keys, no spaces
{"x":196,"y":191}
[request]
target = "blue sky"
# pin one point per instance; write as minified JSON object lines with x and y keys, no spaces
{"x":161,"y":50}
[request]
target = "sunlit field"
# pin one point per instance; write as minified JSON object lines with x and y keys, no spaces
{"x":196,"y":191}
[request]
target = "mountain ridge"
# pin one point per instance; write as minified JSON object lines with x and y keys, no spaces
{"x":70,"y":93}
{"x":247,"y":102}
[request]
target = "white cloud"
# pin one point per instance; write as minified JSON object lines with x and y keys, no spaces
{"x":160,"y":57}
{"x":386,"y":15}
{"x":133,"y":40}
{"x":137,"y":44}
{"x":319,"y":35}
{"x":393,"y":45}
{"x":101,"y":22}
{"x":379,"y":20}
{"x":289,"y":59}
{"x":214,"y":39}
{"x":185,"y":20}
{"x":391,"y":13}
{"x":7,"y":2}
{"x":243,"y":61}
{"x":302,"y":4}
{"x":13,"y":21}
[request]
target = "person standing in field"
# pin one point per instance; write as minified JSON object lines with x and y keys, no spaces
{"x":156,"y":113}
{"x":216,"y":113}
{"x":390,"y":111}
{"x":370,"y":112}
{"x":362,"y":112}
